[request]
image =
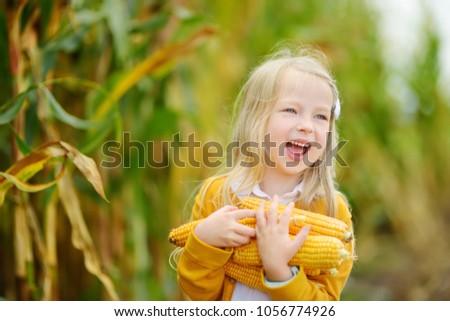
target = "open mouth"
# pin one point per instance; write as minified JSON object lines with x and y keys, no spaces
{"x":297,"y":150}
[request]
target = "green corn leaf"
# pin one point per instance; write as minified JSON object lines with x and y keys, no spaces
{"x":23,"y":146}
{"x":94,"y":139}
{"x":12,"y":112}
{"x":65,"y":117}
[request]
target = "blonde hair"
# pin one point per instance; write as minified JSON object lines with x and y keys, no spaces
{"x":252,"y":108}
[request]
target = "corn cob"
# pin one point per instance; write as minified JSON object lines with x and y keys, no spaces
{"x":178,"y":236}
{"x":317,"y":253}
{"x":320,"y":224}
{"x":252,"y":275}
{"x":249,"y":275}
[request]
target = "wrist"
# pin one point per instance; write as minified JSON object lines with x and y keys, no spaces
{"x":278,"y":273}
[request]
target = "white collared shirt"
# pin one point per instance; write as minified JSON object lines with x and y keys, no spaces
{"x":241,"y":291}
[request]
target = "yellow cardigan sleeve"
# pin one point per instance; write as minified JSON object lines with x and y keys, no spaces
{"x":322,"y":287}
{"x":200,"y":266}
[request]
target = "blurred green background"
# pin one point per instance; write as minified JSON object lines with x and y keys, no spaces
{"x":86,"y":72}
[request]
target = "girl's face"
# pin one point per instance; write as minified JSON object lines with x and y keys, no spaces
{"x":296,"y":130}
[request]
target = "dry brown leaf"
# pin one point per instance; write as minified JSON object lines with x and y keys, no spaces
{"x":81,"y":238}
{"x":49,"y":291}
{"x":26,"y":168}
{"x":20,"y":172}
{"x":86,"y":166}
{"x":22,"y":243}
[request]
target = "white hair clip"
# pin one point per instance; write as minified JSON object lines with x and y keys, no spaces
{"x":337,"y":109}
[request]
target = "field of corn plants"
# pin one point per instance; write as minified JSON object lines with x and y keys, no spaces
{"x":79,"y":77}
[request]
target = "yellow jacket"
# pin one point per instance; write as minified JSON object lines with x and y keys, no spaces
{"x":201,"y":274}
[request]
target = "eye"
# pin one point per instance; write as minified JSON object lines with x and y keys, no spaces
{"x":322,"y":117}
{"x":290,"y":110}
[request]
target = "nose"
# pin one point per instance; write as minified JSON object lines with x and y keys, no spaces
{"x":304,"y":125}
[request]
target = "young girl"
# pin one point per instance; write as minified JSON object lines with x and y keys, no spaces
{"x":287,"y":110}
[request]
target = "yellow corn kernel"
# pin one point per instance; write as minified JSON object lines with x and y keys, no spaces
{"x":320,"y":224}
{"x":312,"y":272}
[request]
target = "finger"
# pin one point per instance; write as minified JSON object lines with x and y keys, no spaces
{"x":229,"y":208}
{"x":239,"y":240}
{"x":260,"y":217}
{"x":285,"y":217}
{"x":246,"y":230}
{"x":272,"y":213}
{"x":300,"y":238}
{"x":243,"y":213}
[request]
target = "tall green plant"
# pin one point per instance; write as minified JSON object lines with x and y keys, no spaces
{"x":43,"y":38}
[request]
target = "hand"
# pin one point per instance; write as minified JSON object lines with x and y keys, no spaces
{"x":222,"y":229}
{"x":275,"y":246}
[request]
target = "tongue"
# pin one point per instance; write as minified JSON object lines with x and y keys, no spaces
{"x":295,"y":149}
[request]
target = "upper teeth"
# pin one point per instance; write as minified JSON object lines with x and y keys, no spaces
{"x":299,"y":144}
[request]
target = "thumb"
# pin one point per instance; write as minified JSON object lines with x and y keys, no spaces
{"x":300,"y":238}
